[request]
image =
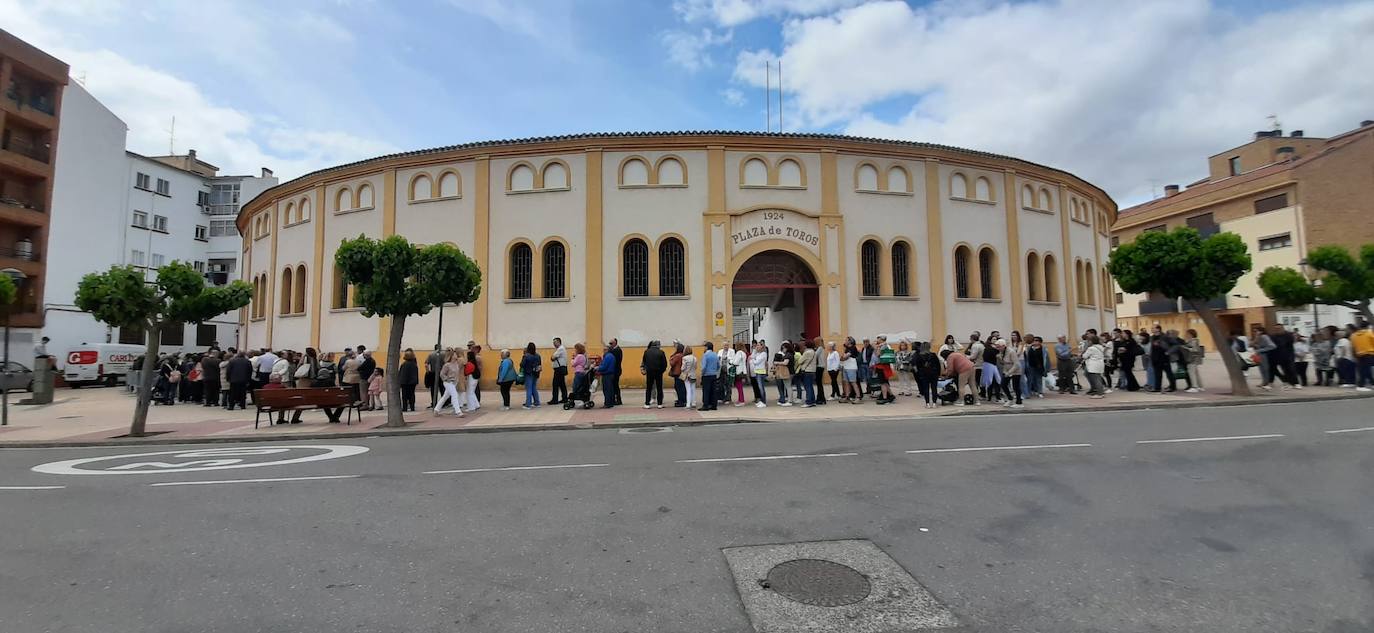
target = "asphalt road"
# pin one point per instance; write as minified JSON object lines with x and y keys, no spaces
{"x":1101,"y":528}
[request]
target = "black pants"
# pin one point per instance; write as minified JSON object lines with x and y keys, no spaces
{"x":408,"y":397}
{"x":608,"y":391}
{"x":1128,"y":370}
{"x":708,"y":393}
{"x":615,"y":386}
{"x":835,"y":384}
{"x":1286,"y":370}
{"x":1015,"y":387}
{"x":211,"y":388}
{"x":238,"y":392}
{"x":560,"y":385}
{"x":1301,"y":367}
{"x":680,"y":391}
{"x":927,"y":387}
{"x":653,"y":387}
{"x":505,"y":392}
{"x":1163,"y":370}
{"x":820,"y":385}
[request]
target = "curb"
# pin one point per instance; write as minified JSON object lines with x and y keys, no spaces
{"x":974,"y":411}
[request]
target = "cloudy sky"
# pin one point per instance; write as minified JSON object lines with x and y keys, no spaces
{"x":1129,"y":95}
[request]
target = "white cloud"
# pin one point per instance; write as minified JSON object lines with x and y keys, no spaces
{"x":733,"y":97}
{"x":692,"y":50}
{"x":1117,"y":93}
{"x":737,"y":12}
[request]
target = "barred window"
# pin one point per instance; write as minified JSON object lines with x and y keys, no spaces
{"x":901,"y":270}
{"x":987,"y":273}
{"x":636,"y":269}
{"x":672,"y":268}
{"x":555,"y":271}
{"x":868,"y":267}
{"x":961,"y":278}
{"x":521,"y":271}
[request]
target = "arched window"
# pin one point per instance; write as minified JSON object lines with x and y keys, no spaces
{"x":340,"y":294}
{"x":1051,"y":279}
{"x":634,"y":172}
{"x":449,"y":185}
{"x":1028,"y":197}
{"x":897,"y":180}
{"x":1045,"y":202}
{"x":1033,"y":276}
{"x":303,"y":211}
{"x":755,"y":172}
{"x":365,"y":196}
{"x":284,"y":307}
{"x":256,"y":302}
{"x":521,"y":178}
{"x":343,"y":199}
{"x":868,"y":267}
{"x":421,"y":187}
{"x":987,"y":273}
{"x":289,"y":215}
{"x":1078,"y":279}
{"x":789,"y":173}
{"x":1089,"y":284}
{"x":1107,"y":290}
{"x":901,"y":269}
{"x":636,"y":269}
{"x":982,"y":188}
{"x":672,"y":268}
{"x":958,"y":186}
{"x":867,"y":178}
{"x":521,"y":271}
{"x":671,"y":172}
{"x":298,"y":301}
{"x":1073,"y":208}
{"x":962,"y":262}
{"x":555,"y":271}
{"x":555,"y":176}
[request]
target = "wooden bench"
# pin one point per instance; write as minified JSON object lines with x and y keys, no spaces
{"x":271,"y":401}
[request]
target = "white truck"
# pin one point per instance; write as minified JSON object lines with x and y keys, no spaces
{"x":104,"y":363}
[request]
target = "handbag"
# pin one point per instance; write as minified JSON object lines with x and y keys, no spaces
{"x":1180,"y":372}
{"x":303,"y":371}
{"x":174,"y":377}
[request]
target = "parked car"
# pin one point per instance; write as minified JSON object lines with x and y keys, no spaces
{"x":17,"y":377}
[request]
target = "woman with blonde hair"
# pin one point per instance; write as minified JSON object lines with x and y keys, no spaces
{"x":689,"y":373}
{"x":449,"y":375}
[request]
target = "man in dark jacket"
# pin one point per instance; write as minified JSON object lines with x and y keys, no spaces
{"x":654,"y":364}
{"x":209,"y":378}
{"x":239,"y":373}
{"x":1283,"y":357}
{"x":619,"y":355}
{"x":1159,"y":363}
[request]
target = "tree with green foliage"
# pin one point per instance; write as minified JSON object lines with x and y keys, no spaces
{"x":394,"y":278}
{"x":122,"y":297}
{"x":1180,"y":263}
{"x":8,"y":291}
{"x":1345,"y":280}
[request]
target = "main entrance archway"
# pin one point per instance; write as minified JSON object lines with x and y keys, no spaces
{"x":775,"y":296}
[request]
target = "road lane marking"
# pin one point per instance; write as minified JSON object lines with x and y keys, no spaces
{"x":490,"y":470}
{"x":1212,"y":439}
{"x":1367,"y":428}
{"x":761,"y":458}
{"x":250,"y":481}
{"x":217,"y":458}
{"x":32,"y":487}
{"x":997,"y":448}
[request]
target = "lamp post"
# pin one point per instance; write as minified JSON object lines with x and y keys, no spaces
{"x":1311,"y":275}
{"x":438,"y":345}
{"x":18,"y":276}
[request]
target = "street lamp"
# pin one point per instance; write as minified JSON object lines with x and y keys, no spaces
{"x":18,"y":276}
{"x":1311,"y":274}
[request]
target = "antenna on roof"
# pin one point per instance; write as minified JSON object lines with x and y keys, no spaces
{"x":780,"y":96}
{"x":172,"y":137}
{"x":767,"y":96}
{"x":1153,"y":183}
{"x":1274,"y":123}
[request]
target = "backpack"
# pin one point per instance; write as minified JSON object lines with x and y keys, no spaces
{"x":325,"y":375}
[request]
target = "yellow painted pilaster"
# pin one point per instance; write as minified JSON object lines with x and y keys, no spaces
{"x":1104,"y":293}
{"x":831,"y":324}
{"x":935,"y":251}
{"x":316,"y":292}
{"x":1018,"y":289}
{"x":481,"y":236}
{"x":1070,"y":294}
{"x":388,"y":229}
{"x":272,"y":274}
{"x":830,"y":191}
{"x":715,"y":212}
{"x":595,"y":249}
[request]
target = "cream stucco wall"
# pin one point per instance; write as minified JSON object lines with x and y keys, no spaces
{"x":886,"y":217}
{"x":1251,"y":230}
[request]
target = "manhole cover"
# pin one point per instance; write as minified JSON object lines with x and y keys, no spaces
{"x":818,"y":583}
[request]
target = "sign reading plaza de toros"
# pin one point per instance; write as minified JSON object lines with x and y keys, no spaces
{"x":773,"y":224}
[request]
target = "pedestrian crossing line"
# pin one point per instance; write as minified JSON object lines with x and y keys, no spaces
{"x":1366,"y":428}
{"x":761,"y":458}
{"x":250,"y":481}
{"x":972,"y":449}
{"x":506,"y":468}
{"x":1213,"y":439}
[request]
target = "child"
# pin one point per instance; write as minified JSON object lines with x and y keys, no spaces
{"x":374,"y":389}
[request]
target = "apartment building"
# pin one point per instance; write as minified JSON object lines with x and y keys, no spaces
{"x":1284,"y":195}
{"x":116,"y":207}
{"x":33,"y":83}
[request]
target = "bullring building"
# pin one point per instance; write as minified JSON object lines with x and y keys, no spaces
{"x":643,"y":236}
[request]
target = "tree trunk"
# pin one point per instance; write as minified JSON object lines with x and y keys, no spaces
{"x":149,"y":376}
{"x":1239,"y":387}
{"x":394,"y":416}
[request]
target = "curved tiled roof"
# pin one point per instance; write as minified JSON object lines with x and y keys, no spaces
{"x":535,"y":140}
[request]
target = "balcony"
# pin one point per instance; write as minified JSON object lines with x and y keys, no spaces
{"x":1158,"y":305}
{"x":29,"y":95}
{"x":18,"y":143}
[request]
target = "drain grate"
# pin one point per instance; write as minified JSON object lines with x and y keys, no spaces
{"x":819,"y":583}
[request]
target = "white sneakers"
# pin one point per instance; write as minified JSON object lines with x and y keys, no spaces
{"x":740,"y":403}
{"x":760,"y":404}
{"x":1362,"y":389}
{"x":786,"y":404}
{"x":1190,"y":390}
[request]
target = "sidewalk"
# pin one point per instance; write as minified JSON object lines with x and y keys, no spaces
{"x":97,"y":416}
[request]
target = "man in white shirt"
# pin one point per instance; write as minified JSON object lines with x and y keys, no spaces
{"x":559,"y":362}
{"x":262,"y":367}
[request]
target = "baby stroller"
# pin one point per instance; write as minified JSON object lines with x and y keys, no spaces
{"x":947,"y":392}
{"x":583,"y":384}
